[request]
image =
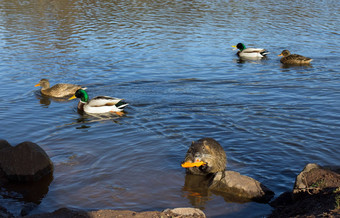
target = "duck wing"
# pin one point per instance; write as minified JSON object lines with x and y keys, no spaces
{"x":253,"y":53}
{"x":254,"y":50}
{"x":61,"y":90}
{"x":296,"y":59}
{"x":100,"y":101}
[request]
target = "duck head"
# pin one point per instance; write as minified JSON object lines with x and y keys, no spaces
{"x":284,"y":53}
{"x":239,"y":46}
{"x":82,"y":94}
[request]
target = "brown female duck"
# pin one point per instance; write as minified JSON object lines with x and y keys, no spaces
{"x":293,"y":59}
{"x":59,"y":90}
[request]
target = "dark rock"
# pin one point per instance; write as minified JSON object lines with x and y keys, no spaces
{"x":4,"y":144}
{"x":4,"y":213}
{"x":25,"y":162}
{"x":316,"y":193}
{"x":27,"y":208}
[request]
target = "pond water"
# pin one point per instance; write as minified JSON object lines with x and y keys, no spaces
{"x":172,"y":61}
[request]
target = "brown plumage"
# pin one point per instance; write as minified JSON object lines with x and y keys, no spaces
{"x":293,"y":59}
{"x":206,"y":156}
{"x":59,"y":90}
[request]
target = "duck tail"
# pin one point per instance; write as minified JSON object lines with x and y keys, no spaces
{"x":264,"y":53}
{"x":121,"y":105}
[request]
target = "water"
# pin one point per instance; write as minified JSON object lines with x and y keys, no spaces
{"x":173,"y":63}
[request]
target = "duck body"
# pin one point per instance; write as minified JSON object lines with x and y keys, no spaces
{"x":59,"y":90}
{"x":99,"y":104}
{"x":250,"y":53}
{"x":205,"y":156}
{"x":293,"y":59}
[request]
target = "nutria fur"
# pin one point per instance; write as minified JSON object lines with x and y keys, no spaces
{"x":209,"y":151}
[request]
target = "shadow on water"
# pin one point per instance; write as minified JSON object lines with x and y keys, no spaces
{"x":45,"y":101}
{"x":197,"y":192}
{"x":30,"y":193}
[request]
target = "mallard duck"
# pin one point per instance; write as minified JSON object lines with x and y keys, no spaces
{"x":294,"y":59}
{"x":99,"y":104}
{"x":206,"y":156}
{"x":251,"y":53}
{"x":59,"y":90}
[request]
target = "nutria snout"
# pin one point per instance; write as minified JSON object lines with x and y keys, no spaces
{"x":205,"y":156}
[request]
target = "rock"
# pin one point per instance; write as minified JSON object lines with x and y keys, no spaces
{"x":4,"y":144}
{"x":314,"y":176}
{"x":175,"y":213}
{"x":27,"y":208}
{"x":316,"y":193}
{"x":184,"y":212}
{"x":241,"y":186}
{"x":25,"y":162}
{"x":300,"y":179}
{"x":4,"y":213}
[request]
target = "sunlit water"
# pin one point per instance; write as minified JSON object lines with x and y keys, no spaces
{"x":173,"y":63}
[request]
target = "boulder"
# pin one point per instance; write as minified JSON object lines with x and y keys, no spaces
{"x":314,"y":176}
{"x":241,"y":186}
{"x":316,"y":193}
{"x":25,"y":162}
{"x":4,"y":144}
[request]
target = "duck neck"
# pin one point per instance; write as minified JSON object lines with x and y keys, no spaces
{"x":81,"y":105}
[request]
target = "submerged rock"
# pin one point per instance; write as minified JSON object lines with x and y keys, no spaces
{"x":25,"y":162}
{"x":177,"y":212}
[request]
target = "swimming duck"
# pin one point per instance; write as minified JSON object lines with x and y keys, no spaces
{"x":59,"y":90}
{"x":99,"y":104}
{"x":294,"y":59}
{"x":205,"y":156}
{"x":250,"y":53}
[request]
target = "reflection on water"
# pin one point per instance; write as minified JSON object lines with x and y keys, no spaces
{"x":172,"y":62}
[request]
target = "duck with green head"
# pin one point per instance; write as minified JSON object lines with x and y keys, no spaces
{"x":250,"y":53}
{"x":99,"y":104}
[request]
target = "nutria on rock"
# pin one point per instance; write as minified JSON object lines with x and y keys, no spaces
{"x":205,"y":156}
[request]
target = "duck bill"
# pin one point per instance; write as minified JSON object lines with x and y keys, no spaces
{"x":73,"y":97}
{"x":189,"y":164}
{"x":37,"y":85}
{"x":280,"y":55}
{"x":234,"y":46}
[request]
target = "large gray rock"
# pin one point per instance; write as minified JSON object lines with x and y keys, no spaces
{"x":25,"y":162}
{"x":241,"y":186}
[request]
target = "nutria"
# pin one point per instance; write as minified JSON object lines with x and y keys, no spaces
{"x":205,"y":156}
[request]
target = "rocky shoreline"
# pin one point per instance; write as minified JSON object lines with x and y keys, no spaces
{"x":316,"y":192}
